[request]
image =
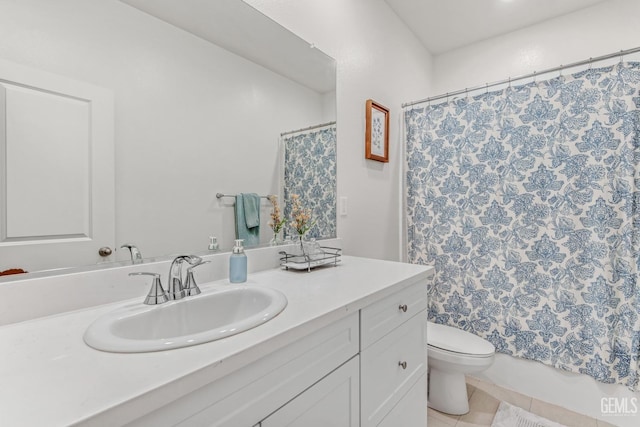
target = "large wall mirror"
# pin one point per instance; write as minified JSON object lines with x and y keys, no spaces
{"x":198,"y":98}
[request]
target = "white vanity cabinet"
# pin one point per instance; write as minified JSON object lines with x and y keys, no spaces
{"x":367,"y":369}
{"x":391,"y":367}
{"x":392,"y":372}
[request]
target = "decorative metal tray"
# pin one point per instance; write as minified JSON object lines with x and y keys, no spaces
{"x":328,"y":256}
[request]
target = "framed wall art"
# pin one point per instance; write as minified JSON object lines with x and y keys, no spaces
{"x":377,"y":132}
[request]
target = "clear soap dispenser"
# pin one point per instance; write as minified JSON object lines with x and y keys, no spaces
{"x":213,"y":243}
{"x":238,"y":264}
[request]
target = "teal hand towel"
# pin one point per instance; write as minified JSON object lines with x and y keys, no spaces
{"x":251,"y":209}
{"x":251,"y":236}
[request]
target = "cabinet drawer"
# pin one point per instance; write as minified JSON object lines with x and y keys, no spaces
{"x":382,"y":317}
{"x":390,"y":367}
{"x":411,"y":409}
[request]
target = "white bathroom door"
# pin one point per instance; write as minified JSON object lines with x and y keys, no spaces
{"x":57,"y":170}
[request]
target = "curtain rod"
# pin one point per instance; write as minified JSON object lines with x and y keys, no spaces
{"x":308,"y":128}
{"x":526,"y":76}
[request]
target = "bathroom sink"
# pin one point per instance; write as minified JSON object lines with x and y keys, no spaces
{"x":190,"y":321}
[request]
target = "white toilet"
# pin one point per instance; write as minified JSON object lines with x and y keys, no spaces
{"x":452,"y":353}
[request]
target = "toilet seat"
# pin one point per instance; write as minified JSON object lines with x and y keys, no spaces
{"x":450,"y":361}
{"x":454,"y":340}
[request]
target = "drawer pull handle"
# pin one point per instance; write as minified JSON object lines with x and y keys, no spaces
{"x":403,"y":365}
{"x":403,"y":308}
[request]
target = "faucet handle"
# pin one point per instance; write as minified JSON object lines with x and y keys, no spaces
{"x":191,"y":287}
{"x":156,"y":294}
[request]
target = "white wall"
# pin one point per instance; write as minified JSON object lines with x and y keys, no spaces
{"x":599,"y":30}
{"x":607,"y":27}
{"x":378,"y":58}
{"x":191,"y":118}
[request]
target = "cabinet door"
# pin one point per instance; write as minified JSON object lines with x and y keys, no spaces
{"x":332,"y":402}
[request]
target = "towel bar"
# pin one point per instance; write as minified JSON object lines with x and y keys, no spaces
{"x":220,"y":196}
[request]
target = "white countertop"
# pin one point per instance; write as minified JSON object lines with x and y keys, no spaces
{"x":51,"y":377}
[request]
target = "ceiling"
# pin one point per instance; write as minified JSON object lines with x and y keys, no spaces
{"x":241,"y":29}
{"x":443,"y":25}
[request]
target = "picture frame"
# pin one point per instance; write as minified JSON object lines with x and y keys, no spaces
{"x":377,"y":132}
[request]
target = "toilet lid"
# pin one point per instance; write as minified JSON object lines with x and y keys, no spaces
{"x":458,"y":341}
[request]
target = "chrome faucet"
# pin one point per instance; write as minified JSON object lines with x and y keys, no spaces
{"x":175,"y":289}
{"x":136,"y":255}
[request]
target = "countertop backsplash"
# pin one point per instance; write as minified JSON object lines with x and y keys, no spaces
{"x":40,"y":295}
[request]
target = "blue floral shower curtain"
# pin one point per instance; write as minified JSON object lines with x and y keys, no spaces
{"x":310,"y":171}
{"x":526,"y":200}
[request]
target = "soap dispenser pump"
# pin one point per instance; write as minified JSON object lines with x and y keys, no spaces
{"x":238,"y":264}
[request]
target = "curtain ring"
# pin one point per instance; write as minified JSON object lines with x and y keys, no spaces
{"x":466,"y":92}
{"x":429,"y":102}
{"x":590,"y":62}
{"x":509,"y":82}
{"x":447,"y":97}
{"x":486,"y":88}
{"x":621,"y":55}
{"x":535,"y":77}
{"x":561,"y":68}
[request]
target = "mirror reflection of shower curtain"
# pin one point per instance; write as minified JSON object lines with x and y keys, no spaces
{"x":526,"y":202}
{"x":310,"y":172}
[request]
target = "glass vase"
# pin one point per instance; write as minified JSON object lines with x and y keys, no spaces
{"x":309,"y":249}
{"x":298,"y":247}
{"x":275,"y":240}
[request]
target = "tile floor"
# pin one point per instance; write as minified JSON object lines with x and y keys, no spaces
{"x":484,"y":399}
